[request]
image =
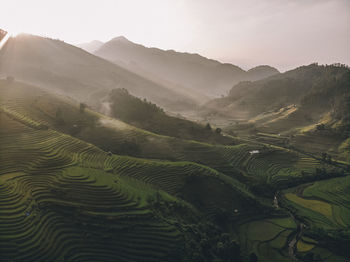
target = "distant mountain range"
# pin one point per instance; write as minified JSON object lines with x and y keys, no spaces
{"x":300,"y":97}
{"x":70,"y":70}
{"x":192,"y":73}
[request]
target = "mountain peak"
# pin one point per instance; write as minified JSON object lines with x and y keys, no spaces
{"x":91,"y":46}
{"x":121,"y":39}
{"x":263,"y":68}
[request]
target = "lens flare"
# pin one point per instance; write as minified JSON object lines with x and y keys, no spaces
{"x":4,"y":36}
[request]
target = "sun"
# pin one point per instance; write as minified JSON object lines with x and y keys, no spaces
{"x":13,"y":31}
{"x":4,"y":38}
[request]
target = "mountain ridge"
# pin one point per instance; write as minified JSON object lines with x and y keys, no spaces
{"x":67,"y":69}
{"x":192,"y":71}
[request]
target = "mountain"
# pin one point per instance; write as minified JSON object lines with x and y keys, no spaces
{"x":191,"y":72}
{"x":260,"y":72}
{"x":92,"y":46}
{"x":70,"y":70}
{"x":307,"y":108}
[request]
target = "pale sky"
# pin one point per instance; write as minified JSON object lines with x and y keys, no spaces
{"x":281,"y":33}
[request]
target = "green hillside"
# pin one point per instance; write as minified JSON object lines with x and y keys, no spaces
{"x":271,"y":168}
{"x":94,"y":206}
{"x":92,"y":188}
{"x":304,"y":109}
{"x":315,"y":87}
{"x":324,"y":207}
{"x":148,"y":116}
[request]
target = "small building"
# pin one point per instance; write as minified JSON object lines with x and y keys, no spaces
{"x":254,"y":152}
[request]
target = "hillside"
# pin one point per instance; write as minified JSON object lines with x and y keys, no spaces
{"x":180,"y":200}
{"x":192,"y":72}
{"x":313,"y":86}
{"x":67,"y":189}
{"x":305,"y":108}
{"x":150,"y":117}
{"x":113,"y":135}
{"x":70,"y":70}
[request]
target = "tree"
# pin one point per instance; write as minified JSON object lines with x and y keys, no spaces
{"x":320,"y":127}
{"x":218,"y":130}
{"x":327,"y":158}
{"x":208,"y":126}
{"x":82,"y":107}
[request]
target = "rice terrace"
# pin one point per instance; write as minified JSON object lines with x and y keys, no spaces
{"x":118,"y":150}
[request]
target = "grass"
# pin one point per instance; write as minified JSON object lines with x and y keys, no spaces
{"x":335,"y":192}
{"x":315,"y":205}
{"x":304,"y":247}
{"x":262,"y":231}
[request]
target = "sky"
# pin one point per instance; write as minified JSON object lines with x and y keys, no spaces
{"x":247,"y":33}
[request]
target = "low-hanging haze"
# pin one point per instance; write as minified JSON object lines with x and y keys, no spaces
{"x":281,"y":33}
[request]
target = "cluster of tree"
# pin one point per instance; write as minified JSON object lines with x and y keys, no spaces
{"x":148,"y":116}
{"x":330,"y":90}
{"x":130,"y":108}
{"x":204,"y":240}
{"x":72,"y":121}
{"x":217,"y":130}
{"x":327,"y":158}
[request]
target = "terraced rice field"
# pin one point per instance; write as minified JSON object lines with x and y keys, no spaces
{"x":325,"y":208}
{"x":59,"y":204}
{"x":67,"y":200}
{"x":273,"y":166}
{"x":64,"y":199}
{"x":78,"y":215}
{"x":325,"y":204}
{"x":268,"y":238}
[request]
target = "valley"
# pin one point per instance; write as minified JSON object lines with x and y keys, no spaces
{"x":98,"y":179}
{"x":118,"y":151}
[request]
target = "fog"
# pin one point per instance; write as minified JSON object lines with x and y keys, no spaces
{"x":283,"y":34}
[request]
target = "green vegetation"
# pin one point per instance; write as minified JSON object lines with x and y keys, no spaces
{"x":91,"y":187}
{"x":148,"y":116}
{"x":67,"y":200}
{"x":268,"y":238}
{"x":324,"y":207}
